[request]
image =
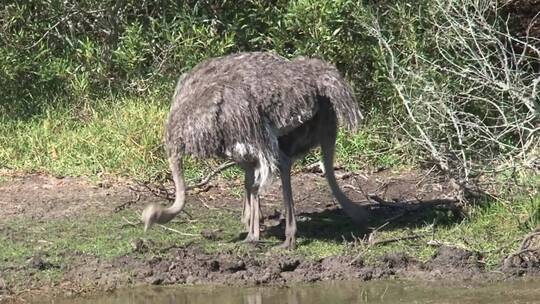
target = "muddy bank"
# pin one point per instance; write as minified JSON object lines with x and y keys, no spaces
{"x":402,"y":199}
{"x":191,"y":265}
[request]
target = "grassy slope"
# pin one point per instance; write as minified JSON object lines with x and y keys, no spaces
{"x":125,"y":139}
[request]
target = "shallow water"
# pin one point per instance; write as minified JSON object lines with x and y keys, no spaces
{"x":327,"y":292}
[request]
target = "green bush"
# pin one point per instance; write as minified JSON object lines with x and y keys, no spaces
{"x":72,"y":52}
{"x":79,"y":58}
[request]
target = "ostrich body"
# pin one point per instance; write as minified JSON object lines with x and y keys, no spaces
{"x":262,"y":111}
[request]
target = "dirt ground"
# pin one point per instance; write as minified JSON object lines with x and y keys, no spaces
{"x":405,"y":197}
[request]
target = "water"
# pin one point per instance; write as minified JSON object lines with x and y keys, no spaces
{"x":328,"y":292}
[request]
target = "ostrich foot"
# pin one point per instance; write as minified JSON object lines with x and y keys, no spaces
{"x":289,"y":244}
{"x":251,"y":239}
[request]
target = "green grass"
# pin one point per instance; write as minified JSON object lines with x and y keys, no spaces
{"x":494,"y":230}
{"x":317,"y":249}
{"x":105,"y":237}
{"x":4,"y":179}
{"x":120,"y":139}
{"x":124,"y":138}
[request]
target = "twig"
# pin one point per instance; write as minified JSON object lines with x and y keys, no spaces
{"x":198,"y":190}
{"x":370,"y":242}
{"x":398,"y":239}
{"x":205,"y":180}
{"x":176,"y":231}
{"x":370,"y":197}
{"x":425,"y":176}
{"x":358,"y":190}
{"x":395,"y":217}
{"x":127,"y":204}
{"x":45,"y":242}
{"x":156,"y":191}
{"x":205,"y":205}
{"x":63,"y":19}
{"x":129,"y":222}
{"x":387,"y":241}
{"x":438,"y":243}
{"x":380,"y":227}
{"x":379,"y":200}
{"x":190,"y":217}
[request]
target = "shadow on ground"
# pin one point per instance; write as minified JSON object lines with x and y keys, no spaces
{"x":332,"y":224}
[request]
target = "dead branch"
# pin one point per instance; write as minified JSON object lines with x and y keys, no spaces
{"x":205,"y":180}
{"x":167,"y":193}
{"x":478,"y":64}
{"x":524,"y":247}
{"x":158,"y":191}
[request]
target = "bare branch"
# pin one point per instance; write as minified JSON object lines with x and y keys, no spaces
{"x":214,"y":172}
{"x":471,"y":102}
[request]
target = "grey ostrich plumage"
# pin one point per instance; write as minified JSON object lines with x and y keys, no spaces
{"x":242,"y":98}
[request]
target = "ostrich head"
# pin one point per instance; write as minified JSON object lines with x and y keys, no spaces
{"x":151,"y":214}
{"x":154,"y":213}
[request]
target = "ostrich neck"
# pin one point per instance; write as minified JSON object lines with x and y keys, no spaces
{"x":356,"y":212}
{"x":168,"y":214}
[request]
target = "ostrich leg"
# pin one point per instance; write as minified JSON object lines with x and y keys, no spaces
{"x":290,"y":218}
{"x":251,"y":216}
{"x":249,"y":180}
{"x":255,"y":217}
{"x":253,"y":221}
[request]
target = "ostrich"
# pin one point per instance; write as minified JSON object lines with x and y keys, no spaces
{"x":262,"y":111}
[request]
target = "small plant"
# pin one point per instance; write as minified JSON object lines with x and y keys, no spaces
{"x":532,"y":214}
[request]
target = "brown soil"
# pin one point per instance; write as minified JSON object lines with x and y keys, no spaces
{"x":406,"y":198}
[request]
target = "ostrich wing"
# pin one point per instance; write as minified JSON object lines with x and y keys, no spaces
{"x":249,"y":97}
